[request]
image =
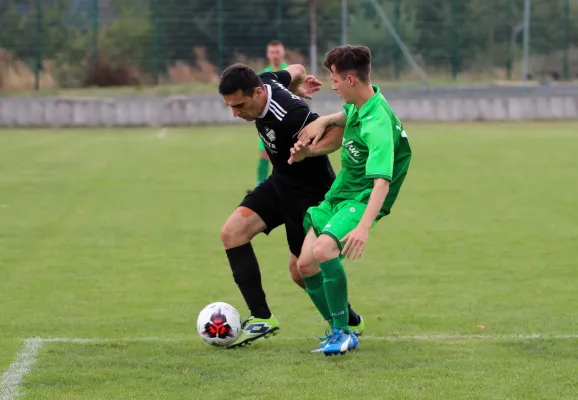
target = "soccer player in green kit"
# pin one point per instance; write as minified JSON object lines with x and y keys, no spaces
{"x":375,"y":157}
{"x":276,"y":58}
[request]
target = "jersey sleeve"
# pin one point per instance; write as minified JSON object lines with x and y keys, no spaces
{"x":283,"y":77}
{"x":377,"y":133}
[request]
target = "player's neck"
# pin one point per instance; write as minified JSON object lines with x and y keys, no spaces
{"x":363,"y":95}
{"x":276,"y":67}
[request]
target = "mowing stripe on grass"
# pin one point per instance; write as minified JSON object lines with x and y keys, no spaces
{"x":19,"y":368}
{"x":424,"y":337}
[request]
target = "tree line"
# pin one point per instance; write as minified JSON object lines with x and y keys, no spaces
{"x":456,"y":35}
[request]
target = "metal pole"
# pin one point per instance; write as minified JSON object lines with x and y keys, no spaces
{"x":511,"y":41}
{"x":454,"y":40}
{"x":38,"y":46}
{"x":400,"y":42}
{"x":313,"y":36}
{"x":157,"y":42}
{"x":220,"y":34}
{"x":566,"y":72}
{"x":95,"y":24}
{"x":344,"y":15}
{"x":396,"y":51}
{"x":525,"y":63}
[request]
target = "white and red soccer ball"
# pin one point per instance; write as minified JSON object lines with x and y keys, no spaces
{"x":219,"y":324}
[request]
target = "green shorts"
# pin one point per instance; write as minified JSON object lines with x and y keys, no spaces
{"x":261,"y":145}
{"x":335,"y":219}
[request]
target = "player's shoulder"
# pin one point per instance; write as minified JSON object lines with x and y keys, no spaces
{"x":377,"y":119}
{"x":273,"y":77}
{"x":379,"y":110}
{"x":375,"y":116}
{"x":267,"y":75}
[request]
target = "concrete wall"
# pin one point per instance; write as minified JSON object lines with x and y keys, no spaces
{"x":167,"y":111}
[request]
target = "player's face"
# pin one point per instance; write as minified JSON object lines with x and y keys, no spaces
{"x":248,"y":108}
{"x":343,"y":86}
{"x":275,"y":55}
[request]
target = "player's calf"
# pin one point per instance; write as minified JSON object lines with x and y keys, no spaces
{"x":294,"y":271}
{"x":236,"y":236}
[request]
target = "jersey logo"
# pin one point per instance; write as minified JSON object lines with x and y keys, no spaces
{"x":403,"y":133}
{"x":267,"y":138}
{"x":352,"y":152}
{"x":270,"y":133}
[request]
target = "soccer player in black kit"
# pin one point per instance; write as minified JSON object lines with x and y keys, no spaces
{"x":272,"y":100}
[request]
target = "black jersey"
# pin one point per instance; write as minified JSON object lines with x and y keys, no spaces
{"x":284,"y":117}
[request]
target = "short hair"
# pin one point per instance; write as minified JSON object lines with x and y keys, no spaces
{"x":239,"y":77}
{"x":275,"y":43}
{"x":349,"y":58}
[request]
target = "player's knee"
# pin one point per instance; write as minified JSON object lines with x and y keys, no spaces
{"x":232,"y":236}
{"x":325,"y":249}
{"x":226,"y":236}
{"x":293,"y":269}
{"x":306,"y":267}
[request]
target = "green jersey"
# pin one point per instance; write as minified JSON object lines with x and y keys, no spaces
{"x":374,"y":145}
{"x":270,"y":68}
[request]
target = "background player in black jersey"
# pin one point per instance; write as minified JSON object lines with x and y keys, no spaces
{"x":272,"y":100}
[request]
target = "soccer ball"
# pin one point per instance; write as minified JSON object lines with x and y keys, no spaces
{"x":219,"y":324}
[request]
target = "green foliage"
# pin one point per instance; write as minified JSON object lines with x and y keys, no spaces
{"x":442,"y":34}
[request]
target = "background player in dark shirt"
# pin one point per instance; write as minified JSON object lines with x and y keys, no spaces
{"x":273,"y":101}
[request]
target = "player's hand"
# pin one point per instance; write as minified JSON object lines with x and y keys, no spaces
{"x":308,"y":87}
{"x":356,"y":240}
{"x":313,"y":83}
{"x":298,"y":152}
{"x":313,"y":132}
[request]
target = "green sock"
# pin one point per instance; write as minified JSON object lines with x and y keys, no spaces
{"x":262,"y":170}
{"x":315,"y":289}
{"x":335,"y":283}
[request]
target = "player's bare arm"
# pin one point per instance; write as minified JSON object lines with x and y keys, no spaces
{"x":357,"y":238}
{"x":314,"y":131}
{"x":330,"y":142}
{"x":302,"y":85}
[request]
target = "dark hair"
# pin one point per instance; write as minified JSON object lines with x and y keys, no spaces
{"x":239,"y":77}
{"x":349,"y":58}
{"x":275,"y":43}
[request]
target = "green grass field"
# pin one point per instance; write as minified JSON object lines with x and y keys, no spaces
{"x":113,"y":235}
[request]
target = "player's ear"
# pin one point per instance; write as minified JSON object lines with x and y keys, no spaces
{"x":351,"y":79}
{"x":259,"y":92}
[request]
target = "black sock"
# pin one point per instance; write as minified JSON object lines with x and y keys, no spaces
{"x":248,"y":277}
{"x":354,"y":318}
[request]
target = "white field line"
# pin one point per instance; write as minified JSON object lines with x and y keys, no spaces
{"x":19,"y":368}
{"x":27,"y":355}
{"x":393,"y":338}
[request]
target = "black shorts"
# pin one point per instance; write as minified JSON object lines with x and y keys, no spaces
{"x":277,"y":204}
